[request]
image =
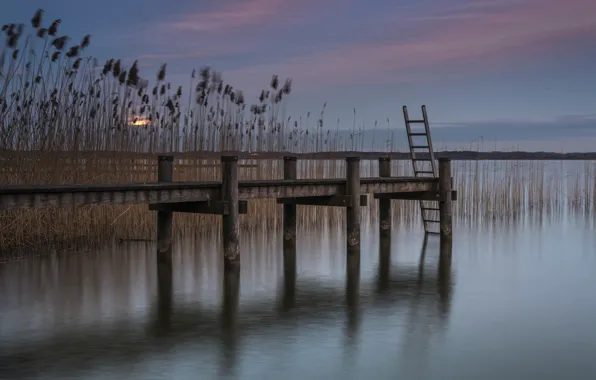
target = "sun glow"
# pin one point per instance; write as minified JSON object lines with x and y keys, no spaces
{"x":139,"y":122}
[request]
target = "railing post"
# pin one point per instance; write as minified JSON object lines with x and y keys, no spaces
{"x":230,"y":222}
{"x":289,"y":228}
{"x":445,"y":202}
{"x":165,"y":173}
{"x":353,"y":213}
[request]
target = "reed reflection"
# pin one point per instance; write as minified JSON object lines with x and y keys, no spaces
{"x":185,"y":311}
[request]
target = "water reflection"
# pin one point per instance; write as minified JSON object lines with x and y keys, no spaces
{"x":118,"y":314}
{"x":117,"y":338}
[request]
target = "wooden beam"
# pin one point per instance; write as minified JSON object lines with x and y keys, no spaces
{"x":324,"y":200}
{"x":200,"y":207}
{"x":25,"y":196}
{"x":415,"y":195}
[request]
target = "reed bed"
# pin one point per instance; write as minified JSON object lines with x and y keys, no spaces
{"x":66,"y":118}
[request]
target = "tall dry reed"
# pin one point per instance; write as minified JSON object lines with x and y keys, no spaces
{"x":66,"y":118}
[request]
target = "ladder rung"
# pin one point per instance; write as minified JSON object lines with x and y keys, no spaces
{"x":420,"y":159}
{"x":431,"y":221}
{"x":415,"y":121}
{"x":430,"y":208}
{"x":417,"y":134}
{"x":424,"y":172}
{"x":433,"y":233}
{"x":420,"y":147}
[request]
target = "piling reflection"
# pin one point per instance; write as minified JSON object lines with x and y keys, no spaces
{"x":384,"y":262}
{"x":165,"y":293}
{"x":420,"y":336}
{"x":289,"y":278}
{"x":229,"y":322}
{"x":193,"y":315}
{"x":352,"y":298}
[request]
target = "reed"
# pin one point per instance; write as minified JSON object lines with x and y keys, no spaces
{"x":66,"y":118}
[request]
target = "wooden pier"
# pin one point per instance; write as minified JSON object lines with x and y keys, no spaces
{"x":229,"y":198}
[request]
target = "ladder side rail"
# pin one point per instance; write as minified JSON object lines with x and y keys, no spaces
{"x":430,"y":144}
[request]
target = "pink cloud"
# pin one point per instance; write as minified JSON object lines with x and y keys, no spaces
{"x":486,"y":29}
{"x":231,"y":15}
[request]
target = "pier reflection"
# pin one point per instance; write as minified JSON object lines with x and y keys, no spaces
{"x":199,"y":320}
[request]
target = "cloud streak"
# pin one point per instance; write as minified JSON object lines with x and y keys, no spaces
{"x":457,"y":35}
{"x":231,"y":16}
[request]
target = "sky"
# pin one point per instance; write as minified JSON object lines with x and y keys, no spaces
{"x":515,"y":62}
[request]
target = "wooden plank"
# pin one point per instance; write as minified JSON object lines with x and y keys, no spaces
{"x":325,"y":200}
{"x":464,"y":155}
{"x":201,"y":207}
{"x":370,"y":155}
{"x":415,"y":195}
{"x":143,"y":193}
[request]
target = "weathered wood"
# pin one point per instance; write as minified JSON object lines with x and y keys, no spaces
{"x":353,"y":213}
{"x":445,"y":203}
{"x":384,"y":204}
{"x":201,"y":207}
{"x":466,"y":155}
{"x":415,"y":195}
{"x":289,"y":225}
{"x":231,"y":222}
{"x":165,"y":173}
{"x":12,"y":197}
{"x":325,"y":200}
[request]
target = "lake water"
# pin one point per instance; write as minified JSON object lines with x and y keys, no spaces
{"x":517,"y":302}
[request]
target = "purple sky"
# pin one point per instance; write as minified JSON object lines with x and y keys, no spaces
{"x":468,"y":60}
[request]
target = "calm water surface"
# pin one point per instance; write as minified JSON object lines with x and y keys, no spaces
{"x":517,"y":302}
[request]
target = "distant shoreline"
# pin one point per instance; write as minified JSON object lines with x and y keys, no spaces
{"x":365,"y":155}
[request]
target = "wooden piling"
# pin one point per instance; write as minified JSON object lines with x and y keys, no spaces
{"x":445,"y":200}
{"x":165,"y":173}
{"x":353,"y":212}
{"x":230,"y":222}
{"x":289,"y":233}
{"x":385,"y":203}
{"x":289,"y":213}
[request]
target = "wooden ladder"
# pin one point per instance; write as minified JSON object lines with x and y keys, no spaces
{"x":424,"y":165}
